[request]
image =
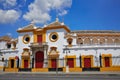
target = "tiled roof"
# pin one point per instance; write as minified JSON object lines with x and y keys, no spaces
{"x":95,"y":31}
{"x":55,"y":23}
{"x":28,"y":27}
{"x":5,"y":38}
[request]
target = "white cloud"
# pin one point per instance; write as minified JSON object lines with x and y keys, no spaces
{"x":63,"y":13}
{"x":8,"y":16}
{"x":9,"y":34}
{"x":9,"y":3}
{"x":39,"y":10}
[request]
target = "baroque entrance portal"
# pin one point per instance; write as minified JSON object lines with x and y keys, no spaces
{"x":39,"y":59}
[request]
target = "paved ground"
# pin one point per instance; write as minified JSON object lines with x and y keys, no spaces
{"x":61,"y":76}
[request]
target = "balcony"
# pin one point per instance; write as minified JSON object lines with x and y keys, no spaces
{"x":36,"y":44}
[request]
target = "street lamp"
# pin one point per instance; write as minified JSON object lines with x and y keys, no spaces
{"x":45,"y":47}
{"x":31,"y":61}
{"x":66,"y":50}
{"x":96,"y":58}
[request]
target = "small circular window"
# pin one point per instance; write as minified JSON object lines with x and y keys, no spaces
{"x":53,"y":37}
{"x":26,"y":39}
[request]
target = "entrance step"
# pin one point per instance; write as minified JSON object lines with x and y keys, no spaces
{"x":55,"y":69}
{"x":90,"y":69}
{"x":25,"y":69}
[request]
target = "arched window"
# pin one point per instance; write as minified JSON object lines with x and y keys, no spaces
{"x":87,"y":41}
{"x":79,"y":41}
{"x":102,"y":41}
{"x":69,"y":40}
{"x":109,"y":41}
{"x":117,"y":41}
{"x":8,"y":45}
{"x":95,"y":41}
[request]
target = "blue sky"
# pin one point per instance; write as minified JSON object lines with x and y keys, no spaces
{"x":77,"y":14}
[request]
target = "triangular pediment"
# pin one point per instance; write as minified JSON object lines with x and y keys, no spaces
{"x":54,"y":24}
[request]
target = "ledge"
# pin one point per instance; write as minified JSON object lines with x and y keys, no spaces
{"x":76,"y":69}
{"x":11,"y":70}
{"x":110,"y":69}
{"x":40,"y":70}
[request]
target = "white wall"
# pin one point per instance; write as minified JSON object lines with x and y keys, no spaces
{"x":3,"y":45}
{"x":59,"y":43}
{"x":95,"y":53}
{"x":21,"y":44}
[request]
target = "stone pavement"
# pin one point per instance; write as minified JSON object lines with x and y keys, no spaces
{"x":86,"y":72}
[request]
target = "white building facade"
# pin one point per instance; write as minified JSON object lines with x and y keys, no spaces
{"x":56,"y":47}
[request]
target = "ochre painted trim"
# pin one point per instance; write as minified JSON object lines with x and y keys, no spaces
{"x":110,"y":69}
{"x":71,"y":56}
{"x":1,"y":67}
{"x":9,"y":63}
{"x":35,"y":37}
{"x":40,"y":70}
{"x":50,"y":36}
{"x":87,"y":56}
{"x":11,"y":69}
{"x":43,"y":33}
{"x":103,"y":60}
{"x":22,"y":64}
{"x":30,"y":30}
{"x":50,"y":62}
{"x":76,"y":69}
{"x":57,"y":27}
{"x":26,"y":35}
{"x":44,"y":36}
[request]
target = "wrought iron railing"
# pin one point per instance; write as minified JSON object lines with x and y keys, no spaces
{"x":62,"y":62}
{"x":38,"y":44}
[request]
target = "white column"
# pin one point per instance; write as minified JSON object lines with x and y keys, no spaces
{"x":113,"y":41}
{"x":34,"y":58}
{"x":83,"y":41}
{"x":91,"y":41}
{"x":98,"y":41}
{"x":45,"y":59}
{"x":106,"y":41}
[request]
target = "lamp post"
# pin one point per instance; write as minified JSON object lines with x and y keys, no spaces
{"x":66,"y":50}
{"x":96,"y":57}
{"x":31,"y":61}
{"x":45,"y":46}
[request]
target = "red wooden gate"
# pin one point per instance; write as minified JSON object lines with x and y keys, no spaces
{"x":107,"y":62}
{"x":25,"y":63}
{"x":39,"y":59}
{"x":70,"y":62}
{"x":53,"y":63}
{"x":87,"y":62}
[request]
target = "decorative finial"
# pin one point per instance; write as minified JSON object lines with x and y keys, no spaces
{"x":62,"y":21}
{"x":45,"y":25}
{"x":33,"y":21}
{"x":57,"y":19}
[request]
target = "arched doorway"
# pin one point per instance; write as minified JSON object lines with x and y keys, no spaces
{"x":39,"y":59}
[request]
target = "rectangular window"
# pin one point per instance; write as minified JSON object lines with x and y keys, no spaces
{"x":39,"y":38}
